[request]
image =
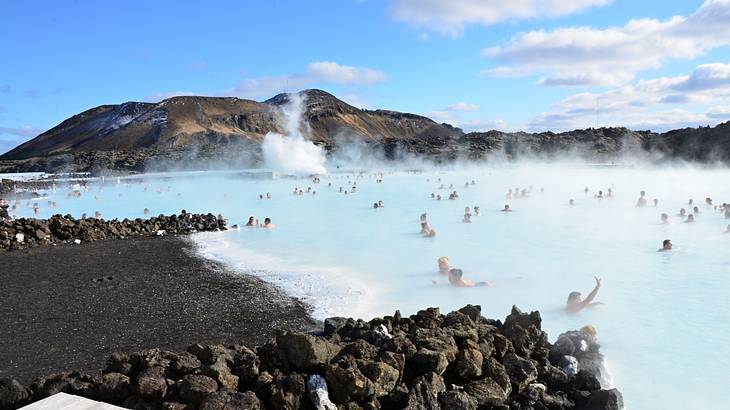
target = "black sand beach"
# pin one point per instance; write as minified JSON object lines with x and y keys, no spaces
{"x":60,"y":311}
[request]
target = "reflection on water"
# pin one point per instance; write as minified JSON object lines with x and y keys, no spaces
{"x":664,"y":326}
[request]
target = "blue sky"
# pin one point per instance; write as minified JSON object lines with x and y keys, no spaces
{"x":478,"y":64}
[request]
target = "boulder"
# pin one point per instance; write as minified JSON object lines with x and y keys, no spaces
{"x":346,"y":382}
{"x":457,"y":400}
{"x":194,"y":388}
{"x":303,"y":352}
{"x":151,"y":384}
{"x":487,"y":392}
{"x":220,"y":372}
{"x":605,"y":400}
{"x":425,"y":391}
{"x":522,"y":372}
{"x":113,"y":387}
{"x":222,"y":400}
{"x":12,"y":393}
{"x":428,"y":361}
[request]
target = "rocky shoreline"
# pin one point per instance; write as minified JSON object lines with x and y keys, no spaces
{"x":29,"y":232}
{"x":426,"y":361}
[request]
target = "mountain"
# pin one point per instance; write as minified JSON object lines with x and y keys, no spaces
{"x":182,"y":131}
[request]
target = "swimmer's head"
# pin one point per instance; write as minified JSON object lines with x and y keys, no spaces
{"x":267,"y":221}
{"x":590,"y":330}
{"x":574,"y":297}
{"x":667,"y":245}
{"x":455,"y":275}
{"x":443,"y":263}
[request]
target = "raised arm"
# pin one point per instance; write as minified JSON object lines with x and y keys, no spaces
{"x":587,"y":301}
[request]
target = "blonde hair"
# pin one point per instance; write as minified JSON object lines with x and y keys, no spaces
{"x":443,"y":259}
{"x":588,"y":329}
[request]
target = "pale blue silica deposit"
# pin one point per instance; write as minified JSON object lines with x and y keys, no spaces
{"x":665,"y":325}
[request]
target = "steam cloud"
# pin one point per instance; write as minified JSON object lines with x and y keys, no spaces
{"x":293,"y":153}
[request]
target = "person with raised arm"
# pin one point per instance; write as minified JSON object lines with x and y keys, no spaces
{"x":576,"y":303}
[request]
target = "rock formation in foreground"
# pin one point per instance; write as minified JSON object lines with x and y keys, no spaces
{"x":200,"y":132}
{"x":30,"y":232}
{"x":427,"y":361}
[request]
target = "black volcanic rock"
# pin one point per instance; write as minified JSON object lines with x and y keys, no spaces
{"x":297,"y":370}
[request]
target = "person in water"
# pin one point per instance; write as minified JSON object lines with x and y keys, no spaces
{"x":444,"y":266}
{"x":727,"y":230}
{"x":456,"y":278}
{"x":682,"y":212}
{"x":425,"y":228}
{"x":506,"y":208}
{"x":575,"y":303}
{"x":666,"y":246}
{"x":268,"y":224}
{"x":665,"y":219}
{"x":251,"y":221}
{"x":690,"y":218}
{"x":641,"y":202}
{"x":571,"y":202}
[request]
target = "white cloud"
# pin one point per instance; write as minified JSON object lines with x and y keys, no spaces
{"x":465,"y":107}
{"x":583,"y":56}
{"x":319,"y":72}
{"x":721,"y":112}
{"x":659,"y":103}
{"x":452,"y":16}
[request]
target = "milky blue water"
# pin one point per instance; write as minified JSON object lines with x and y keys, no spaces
{"x":665,"y":325}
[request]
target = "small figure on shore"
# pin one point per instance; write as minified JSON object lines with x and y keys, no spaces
{"x":666,"y":246}
{"x":506,"y":208}
{"x":4,"y":209}
{"x":268,"y":224}
{"x":576,"y":304}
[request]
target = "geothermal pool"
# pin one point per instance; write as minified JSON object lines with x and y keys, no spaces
{"x":664,"y":328}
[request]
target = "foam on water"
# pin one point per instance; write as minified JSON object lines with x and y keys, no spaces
{"x":664,"y":327}
{"x":330,"y":291}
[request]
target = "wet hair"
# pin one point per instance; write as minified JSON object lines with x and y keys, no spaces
{"x":573,"y":297}
{"x":443,"y":259}
{"x":267,"y":220}
{"x":456,"y":273}
{"x":666,"y":242}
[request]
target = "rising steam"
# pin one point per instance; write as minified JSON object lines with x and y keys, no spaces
{"x":293,"y":153}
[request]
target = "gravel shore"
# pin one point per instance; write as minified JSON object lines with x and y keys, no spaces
{"x":68,"y":307}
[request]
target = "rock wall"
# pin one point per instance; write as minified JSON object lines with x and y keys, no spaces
{"x":427,"y":361}
{"x":28,"y":232}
